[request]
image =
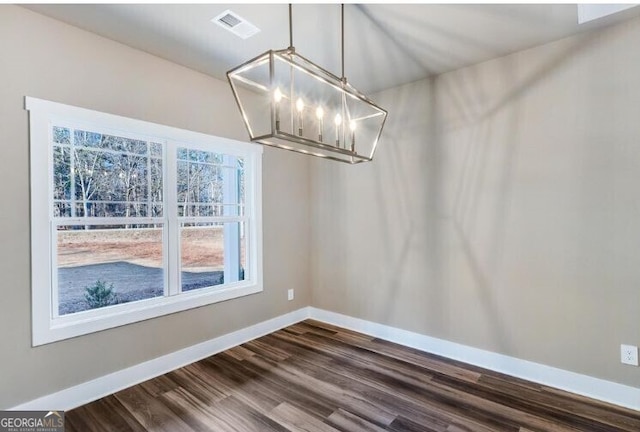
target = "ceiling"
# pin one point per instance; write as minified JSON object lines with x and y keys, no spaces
{"x":385,"y":44}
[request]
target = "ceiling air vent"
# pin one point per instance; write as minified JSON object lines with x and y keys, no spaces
{"x":236,"y":24}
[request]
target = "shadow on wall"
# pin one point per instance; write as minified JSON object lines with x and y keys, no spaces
{"x":408,"y":167}
{"x":446,"y":162}
{"x":492,"y":127}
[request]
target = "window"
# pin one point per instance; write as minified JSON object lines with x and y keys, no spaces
{"x":132,"y":220}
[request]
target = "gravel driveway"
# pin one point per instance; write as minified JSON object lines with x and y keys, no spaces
{"x":130,"y":281}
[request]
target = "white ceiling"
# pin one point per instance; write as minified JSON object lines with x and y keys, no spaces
{"x":385,"y":44}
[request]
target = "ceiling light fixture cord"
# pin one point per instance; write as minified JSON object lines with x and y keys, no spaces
{"x":290,"y":27}
{"x":342,"y":24}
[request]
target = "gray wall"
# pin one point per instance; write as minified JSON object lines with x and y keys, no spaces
{"x":502,"y":210}
{"x":47,"y":59}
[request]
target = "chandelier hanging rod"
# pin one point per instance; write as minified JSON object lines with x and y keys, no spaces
{"x":292,"y":48}
{"x":290,"y":29}
{"x":344,"y":80}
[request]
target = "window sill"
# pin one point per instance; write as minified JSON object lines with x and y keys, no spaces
{"x":90,"y":321}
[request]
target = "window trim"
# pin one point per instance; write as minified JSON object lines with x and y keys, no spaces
{"x":45,"y":328}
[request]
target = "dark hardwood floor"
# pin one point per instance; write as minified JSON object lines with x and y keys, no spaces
{"x":315,"y":377}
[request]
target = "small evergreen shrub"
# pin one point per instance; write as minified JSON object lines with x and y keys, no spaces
{"x":99,"y":295}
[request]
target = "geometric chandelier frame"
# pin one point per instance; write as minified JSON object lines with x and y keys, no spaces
{"x":289,"y":102}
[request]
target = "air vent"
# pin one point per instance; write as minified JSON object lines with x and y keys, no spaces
{"x":230,"y":20}
{"x":237,"y":25}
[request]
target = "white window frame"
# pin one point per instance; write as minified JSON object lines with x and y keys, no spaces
{"x":46,"y":325}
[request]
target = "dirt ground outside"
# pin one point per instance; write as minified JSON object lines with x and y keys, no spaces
{"x":131,"y":260}
{"x":200,"y":247}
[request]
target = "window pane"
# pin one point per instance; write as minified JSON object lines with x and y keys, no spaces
{"x":206,"y":248}
{"x":241,"y":180}
{"x":156,"y":150}
{"x":201,"y":255}
{"x":156,"y":181}
{"x":101,"y":266}
{"x":111,"y":185}
{"x":61,"y":170}
{"x":99,"y":175}
{"x":233,"y":192}
{"x":209,"y":184}
{"x":61,"y":135}
{"x":243,"y":271}
{"x":111,"y":142}
{"x":199,"y":189}
{"x":61,"y":209}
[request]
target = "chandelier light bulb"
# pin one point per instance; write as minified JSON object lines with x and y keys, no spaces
{"x":352,"y":126}
{"x":338,"y":122}
{"x":300,"y":107}
{"x":277,"y":97}
{"x":320,"y":115}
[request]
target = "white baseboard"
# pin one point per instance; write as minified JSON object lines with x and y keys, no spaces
{"x":595,"y":388}
{"x":89,"y":391}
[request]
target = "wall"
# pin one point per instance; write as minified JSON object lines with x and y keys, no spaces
{"x":502,"y":209}
{"x":44,"y":58}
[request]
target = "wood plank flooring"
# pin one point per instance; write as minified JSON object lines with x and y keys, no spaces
{"x":314,"y":377}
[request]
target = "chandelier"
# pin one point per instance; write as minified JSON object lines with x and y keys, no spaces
{"x":289,"y":102}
